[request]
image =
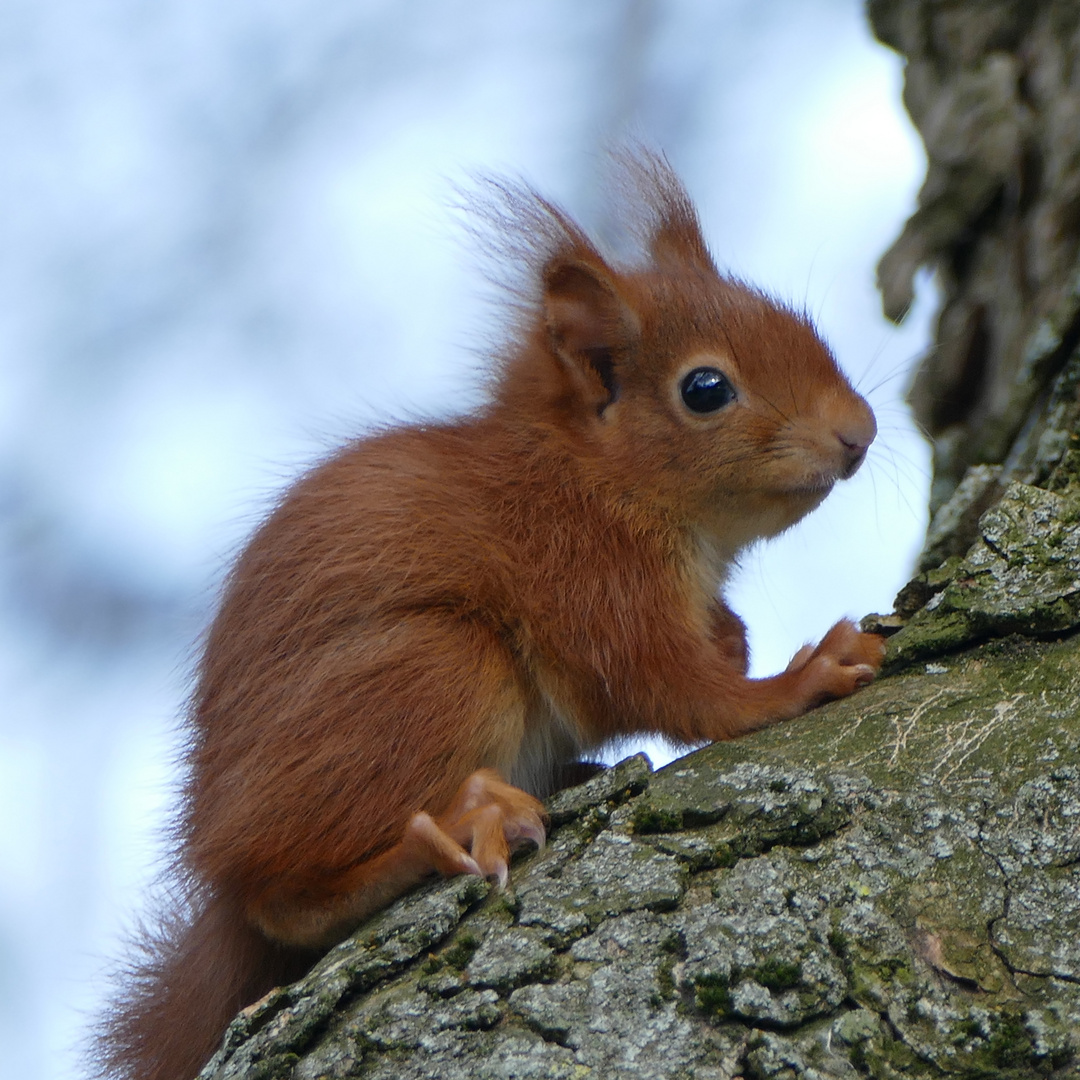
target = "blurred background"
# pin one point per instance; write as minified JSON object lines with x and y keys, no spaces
{"x":226,"y":244}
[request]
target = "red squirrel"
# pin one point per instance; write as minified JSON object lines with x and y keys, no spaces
{"x":438,"y":620}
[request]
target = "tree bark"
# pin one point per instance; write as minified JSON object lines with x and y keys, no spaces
{"x":890,"y":886}
{"x":994,"y":89}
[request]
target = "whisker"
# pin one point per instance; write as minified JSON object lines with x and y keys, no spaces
{"x":776,"y":408}
{"x":735,"y":356}
{"x":875,"y":357}
{"x":877,"y":502}
{"x":885,"y":380}
{"x":759,"y":454}
{"x":901,"y":496}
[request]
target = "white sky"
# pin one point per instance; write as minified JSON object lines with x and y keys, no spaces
{"x":227,"y":246}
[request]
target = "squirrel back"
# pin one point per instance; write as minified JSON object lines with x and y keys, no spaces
{"x":439,"y":621}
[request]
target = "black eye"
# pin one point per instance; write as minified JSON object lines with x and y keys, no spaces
{"x":704,"y":390}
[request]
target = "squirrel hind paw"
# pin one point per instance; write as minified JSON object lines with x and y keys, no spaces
{"x":486,"y":820}
{"x":506,"y":818}
{"x":441,"y":852}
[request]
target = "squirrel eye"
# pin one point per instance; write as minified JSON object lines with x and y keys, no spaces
{"x":704,"y":390}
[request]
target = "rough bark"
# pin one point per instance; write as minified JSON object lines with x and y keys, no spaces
{"x":889,"y":887}
{"x":994,"y":88}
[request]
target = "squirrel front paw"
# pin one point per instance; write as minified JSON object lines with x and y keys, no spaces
{"x":845,"y":659}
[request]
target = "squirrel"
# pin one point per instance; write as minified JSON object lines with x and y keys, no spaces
{"x":438,"y":621}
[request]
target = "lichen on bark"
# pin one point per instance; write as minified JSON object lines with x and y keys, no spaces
{"x":890,"y":886}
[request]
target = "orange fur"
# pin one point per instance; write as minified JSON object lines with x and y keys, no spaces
{"x":442,"y":611}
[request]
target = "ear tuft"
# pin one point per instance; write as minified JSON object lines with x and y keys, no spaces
{"x":672,"y":230}
{"x":590,"y":327}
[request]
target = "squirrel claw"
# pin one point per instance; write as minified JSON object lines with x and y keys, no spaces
{"x":487,"y":818}
{"x":532,"y":831}
{"x":865,"y":674}
{"x":499,"y":874}
{"x":470,"y":866}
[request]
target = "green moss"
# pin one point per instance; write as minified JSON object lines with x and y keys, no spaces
{"x":777,"y":975}
{"x":872,"y":981}
{"x":698,"y":851}
{"x":672,"y":949}
{"x":724,"y":857}
{"x":1066,"y":474}
{"x":278,"y":1067}
{"x":1009,"y":1045}
{"x":712,"y":992}
{"x":886,"y":1057}
{"x":665,"y":981}
{"x":859,"y":1057}
{"x":971,"y":1027}
{"x":694,"y":817}
{"x":838,"y":941}
{"x":926,"y":636}
{"x":504,"y":903}
{"x":649,"y":818}
{"x":674,"y":943}
{"x":460,"y":951}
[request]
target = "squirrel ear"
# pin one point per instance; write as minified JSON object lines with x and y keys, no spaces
{"x":673,"y":228}
{"x":677,"y":239}
{"x":590,"y":328}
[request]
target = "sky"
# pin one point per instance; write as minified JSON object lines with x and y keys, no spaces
{"x":229,"y":243}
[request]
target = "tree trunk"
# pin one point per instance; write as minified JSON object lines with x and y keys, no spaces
{"x":994,"y":88}
{"x":887,"y":887}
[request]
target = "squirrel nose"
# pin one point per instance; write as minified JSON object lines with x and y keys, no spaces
{"x":855,"y":438}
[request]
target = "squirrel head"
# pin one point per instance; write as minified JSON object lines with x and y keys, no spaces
{"x":671,"y":383}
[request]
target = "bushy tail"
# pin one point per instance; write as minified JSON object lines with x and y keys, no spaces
{"x":188,"y":977}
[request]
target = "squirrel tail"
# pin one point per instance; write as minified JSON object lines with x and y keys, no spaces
{"x":189,"y":975}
